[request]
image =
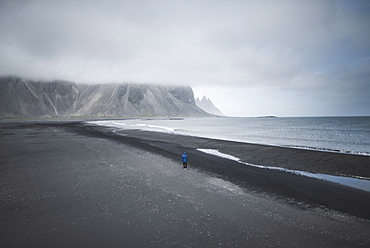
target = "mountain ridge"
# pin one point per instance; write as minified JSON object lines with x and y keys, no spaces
{"x":207,"y":105}
{"x":21,"y":98}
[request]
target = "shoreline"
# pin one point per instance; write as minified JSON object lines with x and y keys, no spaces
{"x":170,"y":129}
{"x":82,"y":185}
{"x":349,"y":164}
{"x":313,"y":191}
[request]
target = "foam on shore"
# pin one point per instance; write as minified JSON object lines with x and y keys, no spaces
{"x":362,"y":184}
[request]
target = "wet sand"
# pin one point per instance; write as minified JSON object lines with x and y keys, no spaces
{"x":67,"y":185}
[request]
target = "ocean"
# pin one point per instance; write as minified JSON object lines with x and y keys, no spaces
{"x":333,"y":134}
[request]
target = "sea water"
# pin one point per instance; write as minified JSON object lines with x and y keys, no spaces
{"x":336,"y":134}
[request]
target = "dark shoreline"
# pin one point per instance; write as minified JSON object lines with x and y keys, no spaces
{"x":312,"y":191}
{"x":61,"y":154}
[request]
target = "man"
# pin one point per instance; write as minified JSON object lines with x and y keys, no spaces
{"x":185,"y":160}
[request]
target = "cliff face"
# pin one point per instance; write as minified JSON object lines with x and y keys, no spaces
{"x":207,"y":105}
{"x":23,"y":98}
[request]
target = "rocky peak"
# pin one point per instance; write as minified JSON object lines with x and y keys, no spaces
{"x":207,"y":105}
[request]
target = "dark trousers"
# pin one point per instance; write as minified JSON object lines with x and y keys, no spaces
{"x":185,"y":164}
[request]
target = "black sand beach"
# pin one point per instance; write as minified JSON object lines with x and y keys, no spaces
{"x":67,"y":185}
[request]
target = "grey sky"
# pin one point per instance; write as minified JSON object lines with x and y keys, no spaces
{"x":286,"y":57}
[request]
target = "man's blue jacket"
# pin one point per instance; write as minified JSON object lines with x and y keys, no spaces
{"x":184,"y":157}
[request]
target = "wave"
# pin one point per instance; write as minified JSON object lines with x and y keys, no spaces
{"x":122,"y":125}
{"x":330,"y":150}
{"x":149,"y":127}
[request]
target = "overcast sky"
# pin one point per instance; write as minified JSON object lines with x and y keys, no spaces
{"x":278,"y":57}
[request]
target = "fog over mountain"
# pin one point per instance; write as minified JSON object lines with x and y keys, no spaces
{"x":32,"y":99}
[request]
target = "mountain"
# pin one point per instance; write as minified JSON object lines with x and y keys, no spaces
{"x":32,"y":99}
{"x":207,"y":105}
